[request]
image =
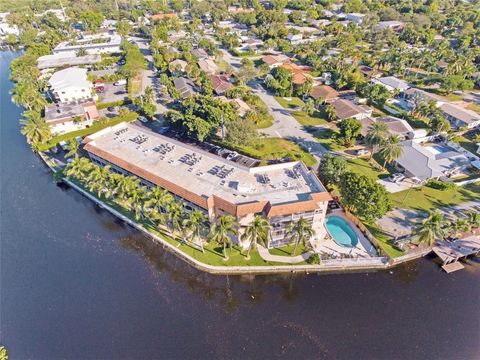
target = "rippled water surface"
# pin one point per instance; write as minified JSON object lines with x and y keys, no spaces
{"x":77,"y":284}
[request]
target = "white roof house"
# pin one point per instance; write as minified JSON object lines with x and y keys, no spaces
{"x":392,"y":83}
{"x":70,"y":84}
{"x":103,"y":43}
{"x":430,"y":160}
{"x":460,"y":117}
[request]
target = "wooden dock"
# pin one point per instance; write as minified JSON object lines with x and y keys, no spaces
{"x":453,"y":267}
{"x":451,"y":252}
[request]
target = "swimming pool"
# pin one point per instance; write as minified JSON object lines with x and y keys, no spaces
{"x":437,"y":149}
{"x":341,"y":232}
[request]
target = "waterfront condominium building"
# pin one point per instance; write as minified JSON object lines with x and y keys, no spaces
{"x":281,"y":192}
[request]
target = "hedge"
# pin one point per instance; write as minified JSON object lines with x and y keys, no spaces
{"x":131,"y":116}
{"x":113,"y":103}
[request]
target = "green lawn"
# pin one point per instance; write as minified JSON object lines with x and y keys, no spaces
{"x":90,"y":130}
{"x":384,"y":240}
{"x":467,"y":144}
{"x":277,"y":148}
{"x":293,"y":103}
{"x":306,"y":120}
{"x":265,"y":122}
{"x":426,"y":198}
{"x":362,"y":166}
{"x":288,"y":250}
{"x":213,"y":254}
{"x":327,"y":137}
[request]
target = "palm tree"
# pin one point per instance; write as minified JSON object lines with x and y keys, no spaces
{"x":222,"y":231}
{"x":73,"y":148}
{"x":299,"y":232}
{"x":459,"y":226}
{"x":175,"y":214}
{"x":391,"y":149}
{"x":474,"y":218}
{"x":149,"y":94}
{"x":431,"y":228}
{"x":79,"y":168}
{"x":376,"y":135}
{"x":97,"y":179}
{"x":257,"y":232}
{"x":35,"y":128}
{"x":158,"y":199}
{"x":196,"y":223}
{"x":135,"y":198}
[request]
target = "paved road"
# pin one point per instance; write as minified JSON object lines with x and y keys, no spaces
{"x":149,"y":75}
{"x":285,"y":125}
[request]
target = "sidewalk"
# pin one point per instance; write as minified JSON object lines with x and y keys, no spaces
{"x":265,"y":255}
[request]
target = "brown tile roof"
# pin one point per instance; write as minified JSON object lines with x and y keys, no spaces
{"x":300,"y":78}
{"x":220,"y":84}
{"x":291,"y":208}
{"x":324,"y":91}
{"x":161,"y":16}
{"x":346,"y":109}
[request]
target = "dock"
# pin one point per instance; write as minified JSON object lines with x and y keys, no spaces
{"x":451,"y":252}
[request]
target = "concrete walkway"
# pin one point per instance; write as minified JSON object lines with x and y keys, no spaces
{"x":265,"y":255}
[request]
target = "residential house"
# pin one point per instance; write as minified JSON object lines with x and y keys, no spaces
{"x":71,"y":116}
{"x":184,"y":86}
{"x":294,"y":38}
{"x":104,"y":43}
{"x":325,"y":92}
{"x":177,"y":66}
{"x":220,"y":84}
{"x":161,"y":16}
{"x":460,"y":117}
{"x":392,"y":83}
{"x":424,"y":160}
{"x":370,"y":72}
{"x":414,"y":96}
{"x":241,"y":106}
{"x":395,"y":126}
{"x":249,"y":44}
{"x":208,"y":66}
{"x":393,"y":25}
{"x":347,"y":109}
{"x":355,"y":17}
{"x":70,"y":84}
{"x":200,"y":54}
{"x":275,"y":60}
{"x":59,"y":13}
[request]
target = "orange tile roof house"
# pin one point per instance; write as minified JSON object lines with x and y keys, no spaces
{"x":220,"y":84}
{"x":161,"y":16}
{"x":282,"y":192}
{"x":275,"y":60}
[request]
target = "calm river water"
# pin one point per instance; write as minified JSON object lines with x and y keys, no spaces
{"x":77,"y":284}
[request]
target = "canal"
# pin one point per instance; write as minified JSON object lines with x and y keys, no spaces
{"x":78,"y":284}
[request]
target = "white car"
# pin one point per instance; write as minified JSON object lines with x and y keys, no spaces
{"x":143,"y":119}
{"x":395,"y":178}
{"x":120,"y":82}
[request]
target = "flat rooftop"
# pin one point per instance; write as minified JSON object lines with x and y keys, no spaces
{"x":202,"y":172}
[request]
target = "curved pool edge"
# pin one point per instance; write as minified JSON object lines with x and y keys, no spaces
{"x":351,"y":233}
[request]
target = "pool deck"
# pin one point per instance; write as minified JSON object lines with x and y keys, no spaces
{"x":326,"y":245}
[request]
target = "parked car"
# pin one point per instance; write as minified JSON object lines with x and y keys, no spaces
{"x":143,"y":119}
{"x":163,"y":129}
{"x":111,"y":108}
{"x":395,"y":178}
{"x":362,"y":152}
{"x":232,"y":155}
{"x":63,"y":144}
{"x":120,"y":82}
{"x":121,"y":62}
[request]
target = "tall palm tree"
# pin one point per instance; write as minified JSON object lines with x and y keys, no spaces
{"x":459,"y":226}
{"x":79,"y":168}
{"x":175,"y":214}
{"x":431,"y":228}
{"x":73,"y":148}
{"x":222,"y":231}
{"x":149,"y":94}
{"x":474,"y":218}
{"x":35,"y":128}
{"x":135,"y":198}
{"x":376,"y":135}
{"x":97,"y":178}
{"x":257,"y":232}
{"x":196,"y":223}
{"x":158,"y":199}
{"x":391,"y":149}
{"x":299,"y":232}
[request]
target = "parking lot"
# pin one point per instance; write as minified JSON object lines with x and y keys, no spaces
{"x":113,"y":93}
